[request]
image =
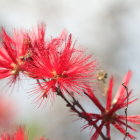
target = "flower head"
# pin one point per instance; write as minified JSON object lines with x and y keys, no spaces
{"x":109,"y":113}
{"x":13,"y":52}
{"x":60,"y":65}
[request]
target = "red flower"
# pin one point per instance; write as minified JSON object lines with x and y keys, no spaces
{"x":13,"y":51}
{"x":18,"y":135}
{"x":62,"y":66}
{"x":109,"y":113}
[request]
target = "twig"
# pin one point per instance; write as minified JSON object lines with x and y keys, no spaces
{"x":126,"y":109}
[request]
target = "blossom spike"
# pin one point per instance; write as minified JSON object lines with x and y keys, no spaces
{"x":123,"y":131}
{"x":122,"y":90}
{"x":108,"y":130}
{"x":97,"y":132}
{"x":109,"y":94}
{"x":91,"y":95}
{"x":133,"y":118}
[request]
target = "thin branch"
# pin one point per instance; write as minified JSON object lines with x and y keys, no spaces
{"x":126,"y":110}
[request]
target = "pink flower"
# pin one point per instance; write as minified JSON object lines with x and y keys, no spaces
{"x":109,"y":113}
{"x":62,"y":66}
{"x":20,"y":134}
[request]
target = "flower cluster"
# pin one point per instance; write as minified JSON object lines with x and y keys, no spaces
{"x":59,"y":67}
{"x":57,"y":63}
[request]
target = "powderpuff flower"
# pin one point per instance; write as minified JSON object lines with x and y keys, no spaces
{"x":14,"y":51}
{"x":109,"y":113}
{"x":20,"y":134}
{"x":62,"y":66}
